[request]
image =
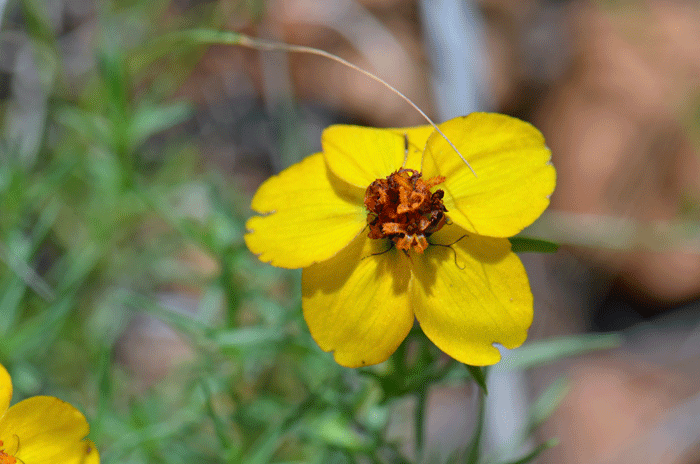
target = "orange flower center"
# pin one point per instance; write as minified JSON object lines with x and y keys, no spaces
{"x":6,"y":458}
{"x":402,"y":208}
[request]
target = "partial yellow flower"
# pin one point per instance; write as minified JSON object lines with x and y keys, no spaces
{"x":42,"y":430}
{"x":390,"y":225}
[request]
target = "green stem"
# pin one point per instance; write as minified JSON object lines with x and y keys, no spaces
{"x":219,"y":425}
{"x":104,"y":399}
{"x":475,"y":445}
{"x":421,"y":415}
{"x":228,"y":283}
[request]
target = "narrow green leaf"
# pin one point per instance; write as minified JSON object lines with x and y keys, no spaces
{"x":547,"y":351}
{"x":105,"y":392}
{"x":479,"y":376}
{"x":220,"y":426}
{"x":110,"y":63}
{"x":421,"y":415}
{"x":474,"y":450}
{"x":536,"y":452}
{"x":183,"y":323}
{"x":78,"y":266}
{"x":148,"y":120}
{"x":547,"y":403}
{"x":167,"y":43}
{"x":90,"y":126}
{"x":11,"y":294}
{"x":36,"y":335}
{"x":335,"y":429}
{"x":532,"y":245}
{"x":248,"y":337}
{"x":37,"y":22}
{"x":266,"y":445}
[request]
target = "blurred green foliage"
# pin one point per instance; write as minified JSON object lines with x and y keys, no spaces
{"x":98,"y":217}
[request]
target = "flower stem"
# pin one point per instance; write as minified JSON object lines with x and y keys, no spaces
{"x":475,"y":444}
{"x":421,"y":415}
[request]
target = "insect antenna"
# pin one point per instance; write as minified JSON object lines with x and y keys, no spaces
{"x":405,"y":150}
{"x":391,"y":245}
{"x":449,"y":245}
{"x":205,"y":36}
{"x":18,"y":448}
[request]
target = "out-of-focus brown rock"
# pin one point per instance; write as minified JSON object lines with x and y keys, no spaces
{"x":616,"y":405}
{"x":619,"y":127}
{"x":150,"y":349}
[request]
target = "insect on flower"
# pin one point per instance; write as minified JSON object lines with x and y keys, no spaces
{"x":368,"y":221}
{"x":403,"y":209}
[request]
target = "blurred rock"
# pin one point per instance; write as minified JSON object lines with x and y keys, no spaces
{"x":150,"y":348}
{"x":619,"y":126}
{"x":621,"y":411}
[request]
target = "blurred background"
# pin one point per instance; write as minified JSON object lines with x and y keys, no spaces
{"x":126,"y":171}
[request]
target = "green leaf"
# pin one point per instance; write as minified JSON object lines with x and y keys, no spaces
{"x":166,"y":44}
{"x":92,"y":127}
{"x":248,"y":337}
{"x":536,"y":452}
{"x":547,"y":403}
{"x":336,"y":429}
{"x":37,"y":334}
{"x":479,"y":376}
{"x":532,"y":245}
{"x":547,"y":351}
{"x":148,"y":120}
{"x":265,"y":446}
{"x":110,"y":63}
{"x":474,"y":449}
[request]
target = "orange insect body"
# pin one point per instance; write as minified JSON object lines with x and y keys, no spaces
{"x":402,"y":208}
{"x":6,"y":458}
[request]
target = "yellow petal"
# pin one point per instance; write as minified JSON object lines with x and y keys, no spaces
{"x":46,"y":429}
{"x":471,"y":295}
{"x":5,"y":390}
{"x":515,"y":176}
{"x":90,"y":453}
{"x":417,"y":139}
{"x":357,"y":304}
{"x":310,"y":215}
{"x":360,"y":155}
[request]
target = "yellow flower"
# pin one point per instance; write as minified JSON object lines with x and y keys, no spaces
{"x":42,"y":430}
{"x":390,"y":225}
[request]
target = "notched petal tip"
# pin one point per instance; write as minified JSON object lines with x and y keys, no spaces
{"x":90,"y":453}
{"x":464,"y":311}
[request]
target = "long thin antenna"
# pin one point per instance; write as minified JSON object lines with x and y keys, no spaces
{"x":234,"y":38}
{"x":257,"y":44}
